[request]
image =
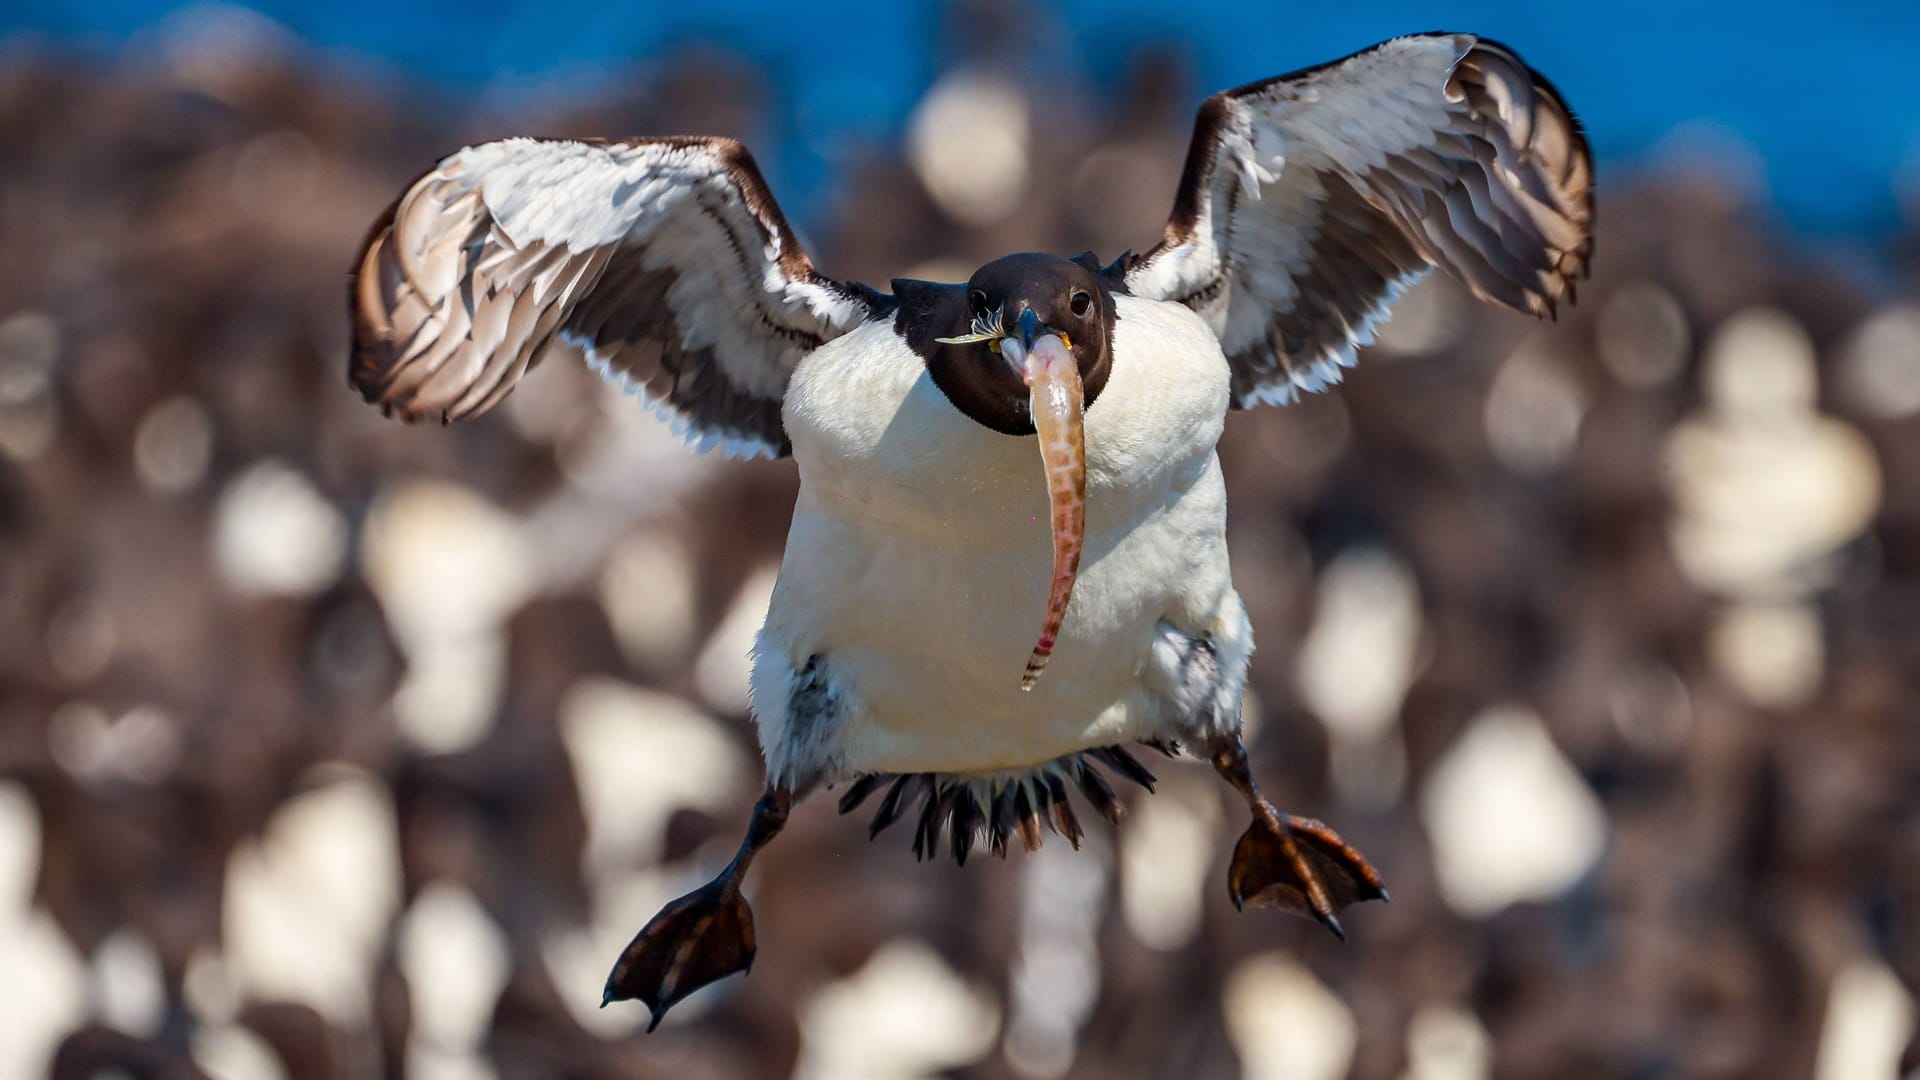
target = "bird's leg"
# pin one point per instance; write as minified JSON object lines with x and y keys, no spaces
{"x":1294,"y":864}
{"x":703,"y":936}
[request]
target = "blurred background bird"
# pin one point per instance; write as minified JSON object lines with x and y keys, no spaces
{"x":332,"y":746}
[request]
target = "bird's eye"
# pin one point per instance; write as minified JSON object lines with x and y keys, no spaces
{"x":977,"y":302}
{"x":1081,"y":304}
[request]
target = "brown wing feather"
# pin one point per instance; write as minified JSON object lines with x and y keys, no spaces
{"x":1309,"y":201}
{"x":665,"y":261}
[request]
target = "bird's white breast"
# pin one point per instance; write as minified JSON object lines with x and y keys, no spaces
{"x":920,"y":552}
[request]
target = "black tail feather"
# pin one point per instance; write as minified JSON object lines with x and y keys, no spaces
{"x":1064,"y":821}
{"x":933,"y":814}
{"x":890,"y":806}
{"x":1027,"y":817}
{"x":1126,"y":765}
{"x":999,"y":821}
{"x":966,"y":822}
{"x":979,"y":811}
{"x":858,"y":793}
{"x":1098,"y":792}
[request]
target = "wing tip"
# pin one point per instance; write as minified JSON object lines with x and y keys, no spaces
{"x":397,"y":362}
{"x":370,"y":364}
{"x":374,"y":366}
{"x":1579,"y":150}
{"x":1571,"y":178}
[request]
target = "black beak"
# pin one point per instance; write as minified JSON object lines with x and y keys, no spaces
{"x":1029,"y":328}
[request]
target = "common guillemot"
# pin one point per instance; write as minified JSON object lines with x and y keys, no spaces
{"x":906,"y":650}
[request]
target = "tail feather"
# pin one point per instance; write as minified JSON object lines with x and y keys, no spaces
{"x":858,"y":793}
{"x":890,"y":806}
{"x":1064,"y":821}
{"x":992,"y":809}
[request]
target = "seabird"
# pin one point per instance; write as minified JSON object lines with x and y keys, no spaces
{"x":1008,"y":561}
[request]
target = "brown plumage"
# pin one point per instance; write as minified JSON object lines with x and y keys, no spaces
{"x":466,"y":283}
{"x":1366,"y":180}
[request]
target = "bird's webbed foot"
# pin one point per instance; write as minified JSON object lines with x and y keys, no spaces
{"x":701,"y":937}
{"x":1295,"y":864}
{"x":1301,"y":867}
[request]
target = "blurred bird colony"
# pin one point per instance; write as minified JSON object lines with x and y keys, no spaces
{"x":330,"y":741}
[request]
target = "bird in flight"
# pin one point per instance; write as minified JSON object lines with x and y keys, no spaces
{"x":1008,"y":561}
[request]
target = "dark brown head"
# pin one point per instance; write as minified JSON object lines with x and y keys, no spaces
{"x":1023,"y":297}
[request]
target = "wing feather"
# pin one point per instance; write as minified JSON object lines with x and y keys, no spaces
{"x":665,"y":262}
{"x":1311,"y":201}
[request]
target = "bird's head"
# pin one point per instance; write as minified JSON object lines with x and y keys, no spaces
{"x":1024,"y":349}
{"x":1011,"y":304}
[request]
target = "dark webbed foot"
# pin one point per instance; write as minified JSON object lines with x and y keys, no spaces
{"x":703,"y":936}
{"x":1301,"y":867}
{"x":1294,"y":864}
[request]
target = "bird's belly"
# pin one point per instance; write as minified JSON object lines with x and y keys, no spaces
{"x":928,"y":631}
{"x":918,"y":563}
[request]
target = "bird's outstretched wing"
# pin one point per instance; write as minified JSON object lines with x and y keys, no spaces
{"x":666,"y":262}
{"x":1310,"y":201}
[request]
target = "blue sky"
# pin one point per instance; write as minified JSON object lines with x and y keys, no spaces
{"x":1825,"y":94}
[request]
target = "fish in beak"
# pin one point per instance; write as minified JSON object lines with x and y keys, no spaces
{"x":1043,"y":357}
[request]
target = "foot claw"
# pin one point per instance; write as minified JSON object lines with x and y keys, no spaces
{"x":1301,"y":867}
{"x":700,"y":938}
{"x":1332,"y":924}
